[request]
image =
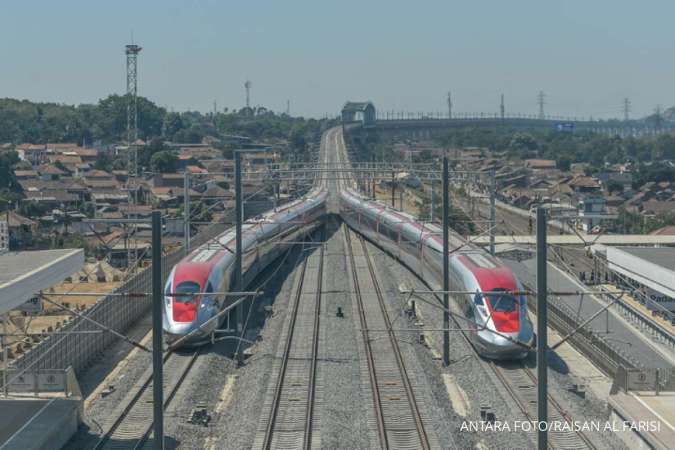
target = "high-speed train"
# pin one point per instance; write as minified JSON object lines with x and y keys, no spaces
{"x":188,"y":304}
{"x":497,"y":320}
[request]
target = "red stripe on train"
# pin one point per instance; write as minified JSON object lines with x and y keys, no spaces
{"x":500,"y":277}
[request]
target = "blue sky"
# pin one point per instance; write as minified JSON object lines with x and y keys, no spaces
{"x":403,"y":55}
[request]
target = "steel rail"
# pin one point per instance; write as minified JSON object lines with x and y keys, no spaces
{"x":138,"y":410}
{"x":287,"y":352}
{"x":373,"y":375}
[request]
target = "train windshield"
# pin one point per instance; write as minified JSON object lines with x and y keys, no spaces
{"x":501,"y":301}
{"x":186,"y":287}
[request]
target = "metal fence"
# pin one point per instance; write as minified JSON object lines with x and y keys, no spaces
{"x":649,"y":380}
{"x":603,"y":353}
{"x":119,"y":312}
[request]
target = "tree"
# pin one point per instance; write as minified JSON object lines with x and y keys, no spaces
{"x":103,"y":161}
{"x":146,"y":153}
{"x":164,"y":161}
{"x":7,"y":177}
{"x":614,"y":186}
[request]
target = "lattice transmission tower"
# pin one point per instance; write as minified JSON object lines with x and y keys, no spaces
{"x":132,"y":51}
{"x":540,"y":101}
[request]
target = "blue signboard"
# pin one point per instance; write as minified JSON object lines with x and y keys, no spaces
{"x":564,"y":126}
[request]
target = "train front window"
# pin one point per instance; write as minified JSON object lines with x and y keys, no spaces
{"x":186,"y":288}
{"x":502,"y":302}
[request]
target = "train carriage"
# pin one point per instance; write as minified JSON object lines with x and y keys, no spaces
{"x":497,"y":318}
{"x":194,"y":289}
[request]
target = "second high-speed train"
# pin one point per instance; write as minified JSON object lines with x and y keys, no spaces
{"x":493,"y":309}
{"x":194,"y":291}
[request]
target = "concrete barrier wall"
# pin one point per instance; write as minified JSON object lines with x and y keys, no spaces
{"x":120,"y":313}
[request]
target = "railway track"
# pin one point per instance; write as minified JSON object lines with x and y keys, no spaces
{"x":521,"y":384}
{"x":397,"y":413}
{"x":132,"y":424}
{"x":291,"y":422}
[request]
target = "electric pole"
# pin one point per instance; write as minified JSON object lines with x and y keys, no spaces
{"x":626,"y":109}
{"x":449,"y":105}
{"x":247,"y":86}
{"x":540,"y":101}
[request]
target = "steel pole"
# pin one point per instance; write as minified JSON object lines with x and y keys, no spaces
{"x":5,"y":353}
{"x":393,"y":190}
{"x":446,"y":265}
{"x":157,"y":388}
{"x":542,"y":381}
{"x":239,"y":213}
{"x":493,"y":210}
{"x":186,"y":208}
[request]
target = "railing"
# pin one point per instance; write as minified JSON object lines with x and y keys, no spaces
{"x":601,"y":352}
{"x":649,"y":380}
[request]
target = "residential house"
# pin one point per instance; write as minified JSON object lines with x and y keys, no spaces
{"x":584,"y":185}
{"x":25,"y":174}
{"x":35,"y":154}
{"x":49,"y":172}
{"x":540,"y":164}
{"x":168,"y":180}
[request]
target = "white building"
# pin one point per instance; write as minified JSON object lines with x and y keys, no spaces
{"x":649,"y":269}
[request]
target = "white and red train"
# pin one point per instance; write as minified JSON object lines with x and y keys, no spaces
{"x":210,"y":267}
{"x":497,"y":320}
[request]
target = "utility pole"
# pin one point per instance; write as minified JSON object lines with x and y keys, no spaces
{"x":446,"y":264}
{"x":540,"y":101}
{"x":157,"y":303}
{"x":626,"y":109}
{"x":186,"y":209}
{"x":247,"y":86}
{"x":431,"y":218}
{"x":493,"y":210}
{"x":393,"y":189}
{"x":449,"y":105}
{"x":239,"y":213}
{"x":542,"y":374}
{"x":501,"y":108}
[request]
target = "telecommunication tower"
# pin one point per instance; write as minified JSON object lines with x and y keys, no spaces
{"x":132,"y":51}
{"x":626,"y":109}
{"x":449,"y":105}
{"x":540,"y":100}
{"x":501,"y":108}
{"x":247,"y":86}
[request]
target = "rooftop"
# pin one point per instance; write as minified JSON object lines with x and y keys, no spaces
{"x":661,"y":256}
{"x":22,"y":274}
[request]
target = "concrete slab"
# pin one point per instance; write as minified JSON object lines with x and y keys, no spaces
{"x":655,"y":413}
{"x":38,"y":424}
{"x":22,"y":274}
